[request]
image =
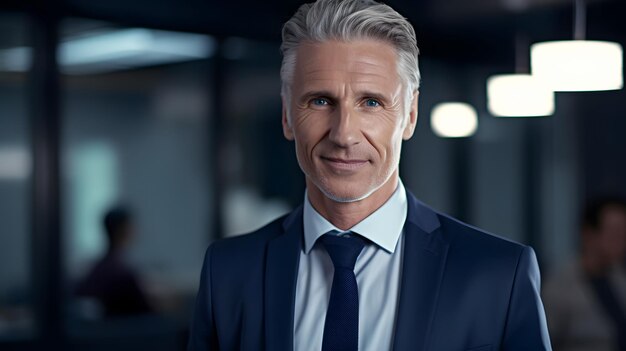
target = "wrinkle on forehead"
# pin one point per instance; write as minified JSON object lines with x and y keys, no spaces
{"x":354,"y":76}
{"x":363,"y":57}
{"x":365,"y":65}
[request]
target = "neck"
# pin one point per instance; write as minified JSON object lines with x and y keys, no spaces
{"x":345,"y":215}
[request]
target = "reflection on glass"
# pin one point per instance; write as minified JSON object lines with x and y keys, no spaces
{"x":92,"y":171}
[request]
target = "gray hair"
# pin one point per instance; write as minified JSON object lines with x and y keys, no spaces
{"x":347,"y":20}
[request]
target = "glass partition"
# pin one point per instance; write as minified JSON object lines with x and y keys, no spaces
{"x":136,"y":180}
{"x":15,"y":180}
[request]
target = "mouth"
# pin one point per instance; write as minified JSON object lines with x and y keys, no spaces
{"x":341,"y":164}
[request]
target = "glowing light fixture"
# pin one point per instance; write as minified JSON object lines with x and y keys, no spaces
{"x":578,"y":65}
{"x":454,"y":120}
{"x":518,"y":95}
{"x":118,"y":49}
{"x":131,"y":48}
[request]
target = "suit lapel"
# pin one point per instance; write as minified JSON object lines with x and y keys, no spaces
{"x":283,"y":256}
{"x":424,"y":257}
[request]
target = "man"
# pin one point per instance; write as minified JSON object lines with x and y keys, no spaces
{"x":586,"y":300}
{"x":112,"y":282}
{"x":362,"y":264}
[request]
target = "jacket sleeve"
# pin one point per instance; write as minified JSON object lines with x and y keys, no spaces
{"x":526,"y":327}
{"x":202,"y":333}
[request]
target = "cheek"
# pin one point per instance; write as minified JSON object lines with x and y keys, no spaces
{"x":313,"y":124}
{"x":386,"y":138}
{"x":306,"y":138}
{"x":302,"y":149}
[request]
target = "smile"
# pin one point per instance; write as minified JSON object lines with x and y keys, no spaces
{"x":343,"y":164}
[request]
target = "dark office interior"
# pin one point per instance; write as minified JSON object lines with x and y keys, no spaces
{"x":183,"y":129}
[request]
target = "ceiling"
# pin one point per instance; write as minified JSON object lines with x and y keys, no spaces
{"x":468,"y":31}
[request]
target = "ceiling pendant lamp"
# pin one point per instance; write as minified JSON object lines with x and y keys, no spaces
{"x":578,"y":65}
{"x":520,"y":94}
{"x":454,"y":120}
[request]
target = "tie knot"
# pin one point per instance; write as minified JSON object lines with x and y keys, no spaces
{"x":343,"y":250}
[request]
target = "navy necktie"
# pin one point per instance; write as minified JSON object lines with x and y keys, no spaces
{"x":341,"y":329}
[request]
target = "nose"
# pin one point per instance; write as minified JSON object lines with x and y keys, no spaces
{"x":345,"y":131}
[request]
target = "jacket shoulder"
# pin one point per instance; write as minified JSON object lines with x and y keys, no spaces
{"x":457,"y":234}
{"x":478,"y":243}
{"x":470,"y":237}
{"x":248,"y":243}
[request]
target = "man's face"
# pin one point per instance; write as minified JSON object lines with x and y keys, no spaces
{"x":348,"y":116}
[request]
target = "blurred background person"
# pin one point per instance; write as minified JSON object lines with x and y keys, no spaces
{"x":585,"y":302}
{"x":112,"y":282}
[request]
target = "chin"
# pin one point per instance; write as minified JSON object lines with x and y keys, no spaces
{"x":344,"y":194}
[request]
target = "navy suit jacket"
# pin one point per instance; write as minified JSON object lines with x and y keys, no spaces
{"x":461,"y":289}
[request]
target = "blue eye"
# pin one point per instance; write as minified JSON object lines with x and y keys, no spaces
{"x":319,"y":102}
{"x":372,"y":103}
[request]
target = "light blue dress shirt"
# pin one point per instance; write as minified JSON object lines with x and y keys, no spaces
{"x":377,"y":271}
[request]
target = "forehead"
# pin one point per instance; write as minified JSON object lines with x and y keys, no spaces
{"x":361,"y":61}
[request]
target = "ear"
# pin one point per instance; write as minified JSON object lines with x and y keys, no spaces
{"x":287,"y":131}
{"x":409,"y":128}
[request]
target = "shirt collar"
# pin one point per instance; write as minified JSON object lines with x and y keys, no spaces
{"x":383,"y":227}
